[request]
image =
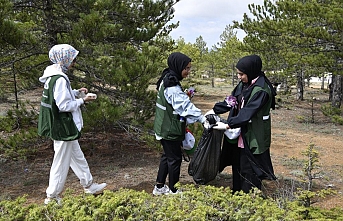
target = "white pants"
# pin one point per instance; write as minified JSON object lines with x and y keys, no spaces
{"x":67,"y":154}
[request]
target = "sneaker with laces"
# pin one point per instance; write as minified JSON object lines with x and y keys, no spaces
{"x":56,"y":199}
{"x":159,"y":191}
{"x":95,"y":188}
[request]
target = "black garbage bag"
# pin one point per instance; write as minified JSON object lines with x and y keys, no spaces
{"x":204,"y":164}
{"x":228,"y":153}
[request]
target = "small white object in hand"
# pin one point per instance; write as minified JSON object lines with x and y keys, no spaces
{"x":91,"y":95}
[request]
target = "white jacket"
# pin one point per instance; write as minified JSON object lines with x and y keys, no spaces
{"x":183,"y":105}
{"x":64,"y":95}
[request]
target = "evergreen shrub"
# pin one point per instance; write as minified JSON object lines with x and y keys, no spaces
{"x":194,"y":203}
{"x":333,"y":112}
{"x":20,"y":129}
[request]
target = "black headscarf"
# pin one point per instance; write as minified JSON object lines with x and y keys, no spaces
{"x":251,"y":65}
{"x":177,"y":62}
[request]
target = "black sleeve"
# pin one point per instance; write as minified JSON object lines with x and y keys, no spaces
{"x":245,"y":114}
{"x":221,"y":107}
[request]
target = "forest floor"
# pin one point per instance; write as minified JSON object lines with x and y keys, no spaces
{"x":122,"y":162}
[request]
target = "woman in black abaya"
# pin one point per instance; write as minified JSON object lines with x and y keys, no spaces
{"x":250,"y":155}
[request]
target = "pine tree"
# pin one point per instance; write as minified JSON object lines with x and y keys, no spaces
{"x":230,"y":51}
{"x":296,"y":37}
{"x":121,"y":44}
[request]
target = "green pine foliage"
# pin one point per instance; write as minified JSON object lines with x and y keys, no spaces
{"x":10,"y":33}
{"x":20,"y":125}
{"x":333,"y":112}
{"x":101,"y":115}
{"x":122,"y":46}
{"x":297,"y":40}
{"x":20,"y":145}
{"x":194,"y":203}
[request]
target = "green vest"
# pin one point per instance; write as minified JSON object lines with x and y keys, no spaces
{"x":167,"y":122}
{"x":52,"y":123}
{"x":258,"y":133}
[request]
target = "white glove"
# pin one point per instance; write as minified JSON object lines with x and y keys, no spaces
{"x":206,"y":124}
{"x":209,"y":112}
{"x":221,"y":126}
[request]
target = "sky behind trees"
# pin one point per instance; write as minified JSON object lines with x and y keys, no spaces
{"x":208,"y":18}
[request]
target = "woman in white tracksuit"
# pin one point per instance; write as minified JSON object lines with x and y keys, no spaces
{"x":62,"y":98}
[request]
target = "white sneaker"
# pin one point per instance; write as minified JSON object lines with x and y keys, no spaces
{"x":56,"y":199}
{"x":95,"y":188}
{"x":177,"y":192}
{"x":159,"y":191}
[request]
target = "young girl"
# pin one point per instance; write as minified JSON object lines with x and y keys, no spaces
{"x":173,"y":110}
{"x":60,"y":118}
{"x":250,"y":156}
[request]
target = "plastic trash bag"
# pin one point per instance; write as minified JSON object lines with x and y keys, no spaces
{"x":229,"y":153}
{"x":204,"y":165}
{"x":188,"y":145}
{"x":189,"y":141}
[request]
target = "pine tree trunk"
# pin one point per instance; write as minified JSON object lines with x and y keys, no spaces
{"x":233,"y":74}
{"x":300,"y":86}
{"x":50,"y":23}
{"x":336,"y":91}
{"x":331,"y":87}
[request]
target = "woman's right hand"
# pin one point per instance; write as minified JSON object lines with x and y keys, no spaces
{"x":89,"y":97}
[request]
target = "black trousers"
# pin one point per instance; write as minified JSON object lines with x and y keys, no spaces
{"x":248,"y":170}
{"x":170,"y":163}
{"x":244,"y":176}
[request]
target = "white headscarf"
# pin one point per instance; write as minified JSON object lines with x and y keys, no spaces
{"x":63,"y":54}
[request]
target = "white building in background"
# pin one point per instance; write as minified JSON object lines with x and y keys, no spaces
{"x":327,"y":79}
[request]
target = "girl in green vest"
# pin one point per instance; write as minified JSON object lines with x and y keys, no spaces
{"x":250,"y":154}
{"x":173,"y":109}
{"x":60,"y":119}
